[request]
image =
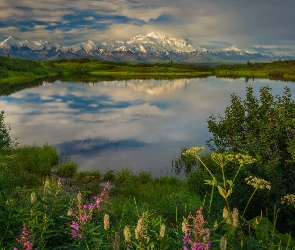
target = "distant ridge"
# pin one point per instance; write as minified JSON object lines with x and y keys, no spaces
{"x":150,"y":47}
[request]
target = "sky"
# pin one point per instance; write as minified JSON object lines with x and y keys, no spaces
{"x":264,"y":24}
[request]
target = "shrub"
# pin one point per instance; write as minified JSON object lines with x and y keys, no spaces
{"x":5,"y":138}
{"x":67,"y":170}
{"x":264,"y":129}
{"x":196,"y":182}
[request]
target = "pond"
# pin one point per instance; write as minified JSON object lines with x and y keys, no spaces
{"x":139,"y":124}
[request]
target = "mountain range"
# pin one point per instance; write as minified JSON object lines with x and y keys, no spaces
{"x":143,"y":48}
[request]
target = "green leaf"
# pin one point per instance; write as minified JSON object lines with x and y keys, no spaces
{"x":222,"y":192}
{"x":262,"y":231}
{"x":230,"y":183}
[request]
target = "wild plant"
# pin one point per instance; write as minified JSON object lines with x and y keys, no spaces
{"x":196,"y":235}
{"x":83,"y":229}
{"x":150,"y":232}
{"x":26,"y":239}
{"x":233,"y":232}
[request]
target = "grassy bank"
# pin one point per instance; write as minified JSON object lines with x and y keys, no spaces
{"x":47,"y":204}
{"x":283,"y":70}
{"x":16,"y":70}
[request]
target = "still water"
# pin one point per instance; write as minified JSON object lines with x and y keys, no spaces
{"x":107,"y":125}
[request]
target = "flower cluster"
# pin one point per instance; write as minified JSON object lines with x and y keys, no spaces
{"x":25,"y":239}
{"x":258,"y":183}
{"x":140,"y":230}
{"x":194,"y":151}
{"x":289,"y":199}
{"x":224,"y":158}
{"x":127,"y":234}
{"x":196,"y":237}
{"x":84,"y":213}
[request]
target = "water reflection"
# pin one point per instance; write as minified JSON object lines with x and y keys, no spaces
{"x":107,"y":125}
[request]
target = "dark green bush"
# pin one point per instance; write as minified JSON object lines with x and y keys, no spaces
{"x":5,"y":138}
{"x":196,"y":182}
{"x":67,"y":170}
{"x":263,"y":128}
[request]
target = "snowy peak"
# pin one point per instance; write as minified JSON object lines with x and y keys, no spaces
{"x":112,"y":45}
{"x":156,"y":35}
{"x":33,"y":45}
{"x":240,"y":51}
{"x":155,"y":42}
{"x":149,"y":47}
{"x":38,"y":45}
{"x":8,"y":43}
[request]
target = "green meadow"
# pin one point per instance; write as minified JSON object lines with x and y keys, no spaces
{"x":17,"y":71}
{"x":241,"y":195}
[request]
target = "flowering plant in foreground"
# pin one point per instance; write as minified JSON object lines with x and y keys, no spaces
{"x":25,"y":239}
{"x":196,"y":235}
{"x":84,"y":213}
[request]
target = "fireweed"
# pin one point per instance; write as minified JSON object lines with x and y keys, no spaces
{"x":196,"y":235}
{"x":84,"y":213}
{"x":25,"y":239}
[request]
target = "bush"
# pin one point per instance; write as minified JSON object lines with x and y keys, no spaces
{"x":67,"y":170}
{"x":5,"y":138}
{"x":196,"y":182}
{"x":264,"y":129}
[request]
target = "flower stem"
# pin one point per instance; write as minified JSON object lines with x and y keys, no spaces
{"x":249,"y":202}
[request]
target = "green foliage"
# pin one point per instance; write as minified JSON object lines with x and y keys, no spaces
{"x":26,"y":167}
{"x":233,"y":231}
{"x":196,"y":182}
{"x":5,"y":137}
{"x":265,"y":129}
{"x":13,"y":68}
{"x":67,"y":169}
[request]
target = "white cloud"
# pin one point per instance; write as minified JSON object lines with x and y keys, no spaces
{"x":90,"y":18}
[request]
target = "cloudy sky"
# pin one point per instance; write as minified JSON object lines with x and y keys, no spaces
{"x":220,"y":23}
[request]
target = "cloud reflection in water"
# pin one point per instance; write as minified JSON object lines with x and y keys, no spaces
{"x":142,"y":124}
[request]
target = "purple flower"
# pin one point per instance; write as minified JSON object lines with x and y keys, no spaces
{"x":84,"y":218}
{"x":74,"y":234}
{"x":29,"y":245}
{"x":90,"y":206}
{"x":75,"y":225}
{"x":186,"y":239}
{"x":15,"y":248}
{"x":208,"y":245}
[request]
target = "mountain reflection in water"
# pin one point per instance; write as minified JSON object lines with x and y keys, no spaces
{"x":142,"y":124}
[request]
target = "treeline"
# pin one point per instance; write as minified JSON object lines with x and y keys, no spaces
{"x":9,"y":65}
{"x":255,"y":65}
{"x":85,"y":67}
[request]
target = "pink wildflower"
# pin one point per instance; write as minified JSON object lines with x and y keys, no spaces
{"x":29,"y":245}
{"x":186,"y":239}
{"x":74,"y":234}
{"x":91,"y":206}
{"x":75,"y":225}
{"x":84,"y":218}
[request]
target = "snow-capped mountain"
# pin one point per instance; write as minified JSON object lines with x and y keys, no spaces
{"x":86,"y":46}
{"x":150,"y":47}
{"x":8,"y":43}
{"x":154,"y":42}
